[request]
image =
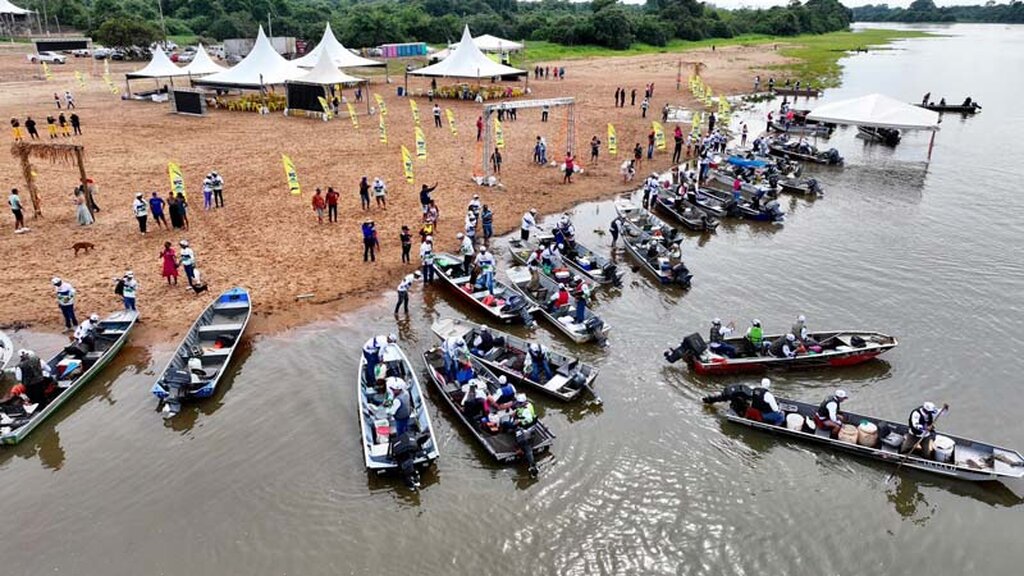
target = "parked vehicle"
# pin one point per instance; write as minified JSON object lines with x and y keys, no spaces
{"x":48,"y":57}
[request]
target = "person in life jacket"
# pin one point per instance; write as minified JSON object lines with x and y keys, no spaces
{"x":920,"y":429}
{"x":452,"y":348}
{"x":799,"y":330}
{"x":485,"y":261}
{"x":767,"y":407}
{"x":483,"y":341}
{"x":716,"y":339}
{"x":559,"y":300}
{"x":399,"y":404}
{"x":581,"y":293}
{"x":84,"y":339}
{"x":533,"y":264}
{"x":467,"y":251}
{"x":525,"y":415}
{"x":537,"y":362}
{"x":371,"y":354}
{"x":828,"y":415}
{"x":505,"y":395}
{"x":784,"y":347}
{"x":754,"y":338}
{"x":474,"y":401}
{"x":34,"y":381}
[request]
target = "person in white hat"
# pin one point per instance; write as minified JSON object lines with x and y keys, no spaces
{"x":66,"y":301}
{"x":427,"y":259}
{"x":529,"y":223}
{"x":141,"y":211}
{"x":765,"y":403}
{"x":129,"y":290}
{"x":467,"y":251}
{"x":828,"y":414}
{"x":403,"y":293}
{"x":921,"y":429}
{"x":187,"y":257}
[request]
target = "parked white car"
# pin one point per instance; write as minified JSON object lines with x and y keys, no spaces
{"x":48,"y":57}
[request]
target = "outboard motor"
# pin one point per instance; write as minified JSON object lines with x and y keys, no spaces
{"x":691,"y":347}
{"x":681,"y":275}
{"x":517,"y":305}
{"x":576,"y":381}
{"x":595,"y":327}
{"x":404,"y":450}
{"x":833,"y":156}
{"x":611,"y":271}
{"x":814,"y":187}
{"x":524,"y":441}
{"x":775,"y":210}
{"x":737,"y":395}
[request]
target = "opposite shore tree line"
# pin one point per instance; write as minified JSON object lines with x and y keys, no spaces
{"x":927,"y":11}
{"x":360,"y":23}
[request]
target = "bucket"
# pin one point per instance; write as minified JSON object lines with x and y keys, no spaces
{"x":794,"y":421}
{"x":867,"y":434}
{"x":944,"y":447}
{"x":848,"y":434}
{"x":809,"y":425}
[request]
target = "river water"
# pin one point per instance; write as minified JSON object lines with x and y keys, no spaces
{"x":267,"y":477}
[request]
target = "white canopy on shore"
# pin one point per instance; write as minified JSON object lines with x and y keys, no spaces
{"x":8,"y":8}
{"x":325,"y":73}
{"x":263,"y":66}
{"x":202,"y":64}
{"x":876,"y":111}
{"x":467,"y":61}
{"x":160,"y":66}
{"x":489,"y":43}
{"x":341,"y":57}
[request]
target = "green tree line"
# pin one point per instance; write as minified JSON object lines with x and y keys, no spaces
{"x":927,"y":11}
{"x":361,"y":23}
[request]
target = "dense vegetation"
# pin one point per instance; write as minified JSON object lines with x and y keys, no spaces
{"x":927,"y":11}
{"x":372,"y":22}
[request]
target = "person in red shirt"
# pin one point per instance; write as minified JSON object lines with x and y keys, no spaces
{"x":332,"y":205}
{"x":479,"y":127}
{"x":319,"y":204}
{"x":561,"y":299}
{"x":570,"y":167}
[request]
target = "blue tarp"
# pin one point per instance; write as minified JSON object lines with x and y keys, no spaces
{"x":744,"y":163}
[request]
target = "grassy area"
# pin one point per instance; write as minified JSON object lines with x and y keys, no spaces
{"x":819,"y":54}
{"x":183,"y":39}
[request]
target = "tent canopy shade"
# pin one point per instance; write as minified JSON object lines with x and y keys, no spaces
{"x":876,"y":111}
{"x":467,"y":61}
{"x":202,"y":64}
{"x":160,"y":66}
{"x":325,"y":74}
{"x":263,"y":66}
{"x":341,"y":57}
{"x":8,"y":8}
{"x":488,"y":43}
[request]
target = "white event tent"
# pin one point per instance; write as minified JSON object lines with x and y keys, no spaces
{"x":341,"y":57}
{"x":263,"y":66}
{"x":488,"y":43}
{"x":467,"y":61}
{"x":8,"y":8}
{"x":302,"y":92}
{"x":878,"y":111}
{"x":160,"y":66}
{"x":202,"y":64}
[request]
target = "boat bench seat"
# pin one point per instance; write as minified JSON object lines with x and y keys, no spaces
{"x":219,"y":328}
{"x":208,"y":352}
{"x":231,"y":306}
{"x":92,"y":357}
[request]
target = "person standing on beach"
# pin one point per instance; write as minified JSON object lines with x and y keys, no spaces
{"x":174,"y":212}
{"x":544,"y":113}
{"x":570,"y":167}
{"x":364,"y":193}
{"x":319,"y":205}
{"x":30,"y":127}
{"x":650,"y":145}
{"x":529,"y":223}
{"x":664,"y":113}
{"x":677,"y":151}
{"x":183,"y":208}
{"x":638,"y":155}
{"x":51,"y":126}
{"x":437,"y":116}
{"x":427,"y":259}
{"x":496,"y":161}
{"x":156,"y":208}
{"x":370,"y":242}
{"x":405,"y":237}
{"x":632,"y":97}
{"x":141,"y":211}
{"x":65,"y":293}
{"x":129,"y":290}
{"x":479,"y":127}
{"x":403,"y":293}
{"x":743,"y":135}
{"x":487,"y":221}
{"x":207,"y":193}
{"x":188,"y":261}
{"x":425,"y":199}
{"x":618,"y":92}
{"x":69,"y":99}
{"x":56,"y":100}
{"x":332,"y":205}
{"x":14,"y":201}
{"x":16,"y":130}
{"x":595,"y":149}
{"x":169,"y":266}
{"x":380,"y":193}
{"x":65,"y":129}
{"x":643,"y":107}
{"x":76,"y":124}
{"x":218,"y":189}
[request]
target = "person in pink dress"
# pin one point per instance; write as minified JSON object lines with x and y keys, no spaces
{"x":170,"y":264}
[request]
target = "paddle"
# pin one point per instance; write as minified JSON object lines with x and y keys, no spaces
{"x":945,"y":408}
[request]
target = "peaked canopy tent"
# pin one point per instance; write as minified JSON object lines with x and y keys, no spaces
{"x":7,"y":8}
{"x":340,"y":56}
{"x":879,"y":111}
{"x":467,"y":61}
{"x":11,"y":15}
{"x":263,"y":66}
{"x":304,"y":92}
{"x":160,"y":66}
{"x":488,"y":43}
{"x":202,"y":64}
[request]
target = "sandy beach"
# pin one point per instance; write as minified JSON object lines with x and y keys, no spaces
{"x":268,"y":240}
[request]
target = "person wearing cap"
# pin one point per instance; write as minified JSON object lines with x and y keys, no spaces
{"x":207,"y":192}
{"x":65,"y":293}
{"x":425,"y":199}
{"x":716,"y":339}
{"x":485,"y":261}
{"x":483,"y":341}
{"x":467,"y":251}
{"x":371,"y":356}
{"x":399,"y":404}
{"x":85,"y":333}
{"x":187,"y":258}
{"x":403,"y":293}
{"x":650,"y":188}
{"x":525,"y":415}
{"x":536,"y":361}
{"x":581,"y":293}
{"x":799,"y":330}
{"x":470,"y":227}
{"x":453,"y":348}
{"x":156,"y":208}
{"x":218,"y":189}
{"x":828,"y":414}
{"x":487,"y":221}
{"x":505,"y":395}
{"x":474,"y":402}
{"x":141,"y":211}
{"x":129,"y":290}
{"x":920,"y":429}
{"x":474,"y":205}
{"x":34,"y":381}
{"x":370,"y":242}
{"x":529,"y":223}
{"x":427,"y":259}
{"x":754,"y":338}
{"x":380,"y":193}
{"x":766,"y":404}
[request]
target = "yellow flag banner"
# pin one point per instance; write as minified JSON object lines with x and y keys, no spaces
{"x":352,"y":114}
{"x":415,"y":111}
{"x":383,"y":130}
{"x":407,"y":164}
{"x":499,"y":134}
{"x":177,"y":179}
{"x":46,"y":71}
{"x":613,"y":141}
{"x":381,"y":105}
{"x":421,"y":144}
{"x":291,"y":175}
{"x":451,"y":121}
{"x":80,"y":78}
{"x":695,"y":130}
{"x":325,"y":106}
{"x":106,"y":67}
{"x":659,"y":135}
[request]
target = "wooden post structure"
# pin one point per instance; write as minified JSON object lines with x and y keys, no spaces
{"x":53,"y":152}
{"x":86,"y":189}
{"x":26,"y":169}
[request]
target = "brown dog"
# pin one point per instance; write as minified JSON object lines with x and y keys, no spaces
{"x":85,"y":246}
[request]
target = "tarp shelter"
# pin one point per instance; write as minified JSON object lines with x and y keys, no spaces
{"x":202,"y":64}
{"x":467,"y":61}
{"x":878,"y":111}
{"x":341,"y":57}
{"x":303,"y":93}
{"x":488,"y":43}
{"x":263,"y":66}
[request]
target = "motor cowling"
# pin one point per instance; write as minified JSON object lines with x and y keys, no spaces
{"x":691,"y":347}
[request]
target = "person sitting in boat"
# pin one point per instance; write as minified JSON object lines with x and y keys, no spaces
{"x":924,"y":100}
{"x":483,"y":341}
{"x":464,"y":371}
{"x":371,"y":354}
{"x":968,"y":102}
{"x":754,"y":338}
{"x":920,"y":429}
{"x":942,"y":101}
{"x":35,"y":383}
{"x":581,"y":293}
{"x":537,"y":361}
{"x":828,"y":415}
{"x":505,"y":396}
{"x":716,"y":339}
{"x":676,"y":265}
{"x":399,"y":404}
{"x":764,"y":402}
{"x":452,"y":348}
{"x":474,"y":402}
{"x":799,"y":330}
{"x":84,"y":340}
{"x":785,"y":346}
{"x":559,"y":300}
{"x":551,"y":258}
{"x":804,"y":147}
{"x":524,"y":415}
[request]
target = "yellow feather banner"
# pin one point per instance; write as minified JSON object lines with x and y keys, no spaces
{"x":421,"y":144}
{"x":325,"y":106}
{"x":407,"y":164}
{"x":291,"y":175}
{"x":352,"y":114}
{"x":177,"y":179}
{"x":383,"y":130}
{"x":499,"y":134}
{"x":613,"y":141}
{"x":80,"y":78}
{"x":381,"y":105}
{"x":659,"y":135}
{"x":46,"y":71}
{"x":451,"y":121}
{"x":415,"y":111}
{"x":697,"y":119}
{"x":106,"y":67}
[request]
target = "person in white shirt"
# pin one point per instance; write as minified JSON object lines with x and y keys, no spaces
{"x":471,"y":225}
{"x":765,"y":403}
{"x":380,"y":192}
{"x":467,"y":250}
{"x":529,"y":223}
{"x":427,"y":258}
{"x":141,"y":211}
{"x":474,"y":204}
{"x":486,"y":263}
{"x":129,"y":290}
{"x":66,"y":301}
{"x":403,"y":293}
{"x":187,"y":257}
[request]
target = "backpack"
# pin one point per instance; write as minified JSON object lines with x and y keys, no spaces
{"x":119,"y":288}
